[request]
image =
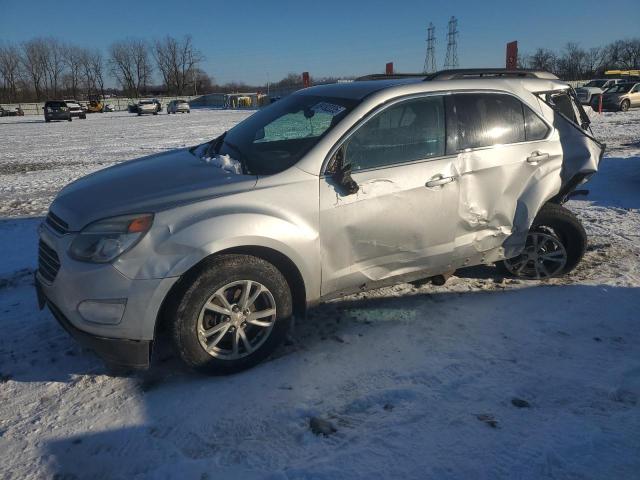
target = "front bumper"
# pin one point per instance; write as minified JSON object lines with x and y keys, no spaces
{"x":114,"y":351}
{"x":125,"y":341}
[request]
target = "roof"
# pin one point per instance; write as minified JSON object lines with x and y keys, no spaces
{"x":531,"y":80}
{"x":357,"y":90}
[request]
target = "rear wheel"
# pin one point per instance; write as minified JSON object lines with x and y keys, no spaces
{"x":625,"y":105}
{"x":555,"y":245}
{"x":231,"y":314}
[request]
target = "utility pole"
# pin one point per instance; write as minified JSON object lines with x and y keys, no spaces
{"x":430,"y":58}
{"x":451,"y":60}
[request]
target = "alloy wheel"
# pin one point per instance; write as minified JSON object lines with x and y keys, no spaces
{"x":236,"y":320}
{"x":543,"y":257}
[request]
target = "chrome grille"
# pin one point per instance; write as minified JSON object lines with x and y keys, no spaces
{"x":57,"y":223}
{"x":48,"y":262}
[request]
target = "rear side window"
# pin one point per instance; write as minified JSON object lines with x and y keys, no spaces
{"x":408,"y":131}
{"x":485,"y":119}
{"x":534,"y":127}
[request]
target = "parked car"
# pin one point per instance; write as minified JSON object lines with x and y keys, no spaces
{"x":332,"y":190}
{"x":76,"y":109}
{"x":176,"y":106}
{"x":56,"y":110}
{"x":622,"y":96}
{"x":109,"y":108}
{"x":11,"y":111}
{"x":148,"y":107}
{"x":590,"y":91}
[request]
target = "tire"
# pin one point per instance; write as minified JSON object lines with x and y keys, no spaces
{"x":70,"y":119}
{"x":553,"y":224}
{"x":139,"y":114}
{"x":47,"y":120}
{"x":625,"y":105}
{"x":189,"y":317}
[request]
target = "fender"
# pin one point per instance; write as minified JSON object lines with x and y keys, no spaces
{"x":179,"y":247}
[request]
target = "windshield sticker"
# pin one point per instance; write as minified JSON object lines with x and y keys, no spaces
{"x":329,"y":108}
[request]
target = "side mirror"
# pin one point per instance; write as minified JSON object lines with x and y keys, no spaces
{"x":259,"y":134}
{"x":341,"y":172}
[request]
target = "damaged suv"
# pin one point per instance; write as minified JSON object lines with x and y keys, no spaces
{"x":332,"y":190}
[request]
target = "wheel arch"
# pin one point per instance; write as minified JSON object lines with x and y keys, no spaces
{"x":283,"y":263}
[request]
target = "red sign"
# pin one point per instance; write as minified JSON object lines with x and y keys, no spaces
{"x":389,"y":69}
{"x":306,"y":81}
{"x":512,"y":55}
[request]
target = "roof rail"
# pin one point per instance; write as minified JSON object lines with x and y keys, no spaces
{"x":393,"y":76}
{"x":469,"y":73}
{"x":464,"y":73}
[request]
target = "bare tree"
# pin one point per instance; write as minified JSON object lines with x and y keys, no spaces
{"x":129,"y":64}
{"x":177,"y":61}
{"x":571,"y":62}
{"x":73,"y":59}
{"x":542,"y":59}
{"x":630,"y":54}
{"x":10,"y":70}
{"x":96,"y":63}
{"x":594,"y":60}
{"x":33,"y":55}
{"x":53,"y":64}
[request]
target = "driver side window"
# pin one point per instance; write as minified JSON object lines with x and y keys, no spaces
{"x":408,"y":131}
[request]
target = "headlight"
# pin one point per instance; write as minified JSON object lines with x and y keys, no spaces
{"x":105,"y":240}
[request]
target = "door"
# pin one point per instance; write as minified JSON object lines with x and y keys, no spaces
{"x":502,"y":152}
{"x":399,"y":222}
{"x":634,"y":95}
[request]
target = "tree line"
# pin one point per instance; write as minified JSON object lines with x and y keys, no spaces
{"x":576,"y":63}
{"x":44,"y":68}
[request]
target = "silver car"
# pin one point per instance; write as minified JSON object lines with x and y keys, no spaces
{"x":332,"y":190}
{"x":178,"y":106}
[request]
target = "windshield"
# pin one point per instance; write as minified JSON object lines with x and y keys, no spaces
{"x":620,"y":88}
{"x":596,"y":83}
{"x":278,"y":136}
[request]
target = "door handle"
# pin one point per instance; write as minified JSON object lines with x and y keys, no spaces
{"x":439,"y":180}
{"x":537,"y":157}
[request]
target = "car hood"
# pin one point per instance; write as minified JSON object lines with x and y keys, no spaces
{"x":148,"y":184}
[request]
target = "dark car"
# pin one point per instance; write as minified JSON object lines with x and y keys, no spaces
{"x":56,"y":110}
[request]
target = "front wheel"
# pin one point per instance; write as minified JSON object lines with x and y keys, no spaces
{"x":625,"y":105}
{"x":555,"y":245}
{"x":231,"y":314}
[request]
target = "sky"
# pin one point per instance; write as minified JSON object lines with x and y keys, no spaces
{"x":261,"y":41}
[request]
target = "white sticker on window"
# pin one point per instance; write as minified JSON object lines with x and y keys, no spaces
{"x":329,"y":108}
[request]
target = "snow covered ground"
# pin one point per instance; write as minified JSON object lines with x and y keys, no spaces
{"x":482,"y":378}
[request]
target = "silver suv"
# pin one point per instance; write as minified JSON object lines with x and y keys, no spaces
{"x":332,"y":190}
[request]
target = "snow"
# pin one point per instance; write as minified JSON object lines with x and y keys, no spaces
{"x":411,"y":378}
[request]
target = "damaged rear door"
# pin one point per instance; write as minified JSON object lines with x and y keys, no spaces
{"x":399,"y":221}
{"x":502,"y":149}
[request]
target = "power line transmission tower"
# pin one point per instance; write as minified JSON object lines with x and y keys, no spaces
{"x":451,"y":60}
{"x":430,"y":59}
